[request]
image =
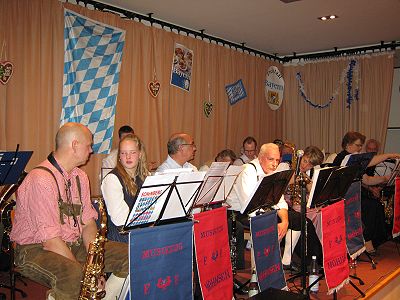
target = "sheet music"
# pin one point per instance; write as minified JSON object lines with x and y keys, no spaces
{"x":175,"y":172}
{"x":395,"y":173}
{"x":152,"y":190}
{"x":187,"y":185}
{"x":212,"y":182}
{"x":154,"y":193}
{"x":227,"y":183}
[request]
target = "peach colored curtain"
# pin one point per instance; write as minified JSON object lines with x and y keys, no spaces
{"x":31,"y":102}
{"x":306,"y":125}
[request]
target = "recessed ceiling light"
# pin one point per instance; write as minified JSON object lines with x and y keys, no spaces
{"x":330,"y":17}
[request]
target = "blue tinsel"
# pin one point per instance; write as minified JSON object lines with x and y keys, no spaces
{"x":349,"y":100}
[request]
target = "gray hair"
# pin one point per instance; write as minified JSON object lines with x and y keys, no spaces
{"x":175,"y":141}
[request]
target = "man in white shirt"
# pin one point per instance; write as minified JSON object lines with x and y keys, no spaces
{"x":249,"y":153}
{"x":181,"y":150}
{"x":266,"y":163}
{"x":110,"y":161}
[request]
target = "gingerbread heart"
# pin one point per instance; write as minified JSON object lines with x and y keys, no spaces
{"x":154,"y":88}
{"x":6,"y":71}
{"x":207,"y":108}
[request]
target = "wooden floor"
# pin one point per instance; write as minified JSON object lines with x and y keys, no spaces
{"x":388,"y":261}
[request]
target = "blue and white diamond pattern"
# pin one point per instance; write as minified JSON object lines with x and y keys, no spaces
{"x":92,"y":63}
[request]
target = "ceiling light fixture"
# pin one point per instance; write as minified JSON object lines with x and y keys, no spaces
{"x":330,"y":17}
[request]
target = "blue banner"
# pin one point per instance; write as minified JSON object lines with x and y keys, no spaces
{"x":352,"y":209}
{"x":92,"y":63}
{"x":161,"y":262}
{"x":264,"y":235}
{"x":235,"y":92}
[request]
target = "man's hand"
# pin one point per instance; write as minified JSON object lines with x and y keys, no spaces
{"x":57,"y":245}
{"x":284,"y":224}
{"x":282,"y":229}
{"x":89,"y":233}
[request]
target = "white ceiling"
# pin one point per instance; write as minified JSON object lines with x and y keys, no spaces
{"x":275,"y":27}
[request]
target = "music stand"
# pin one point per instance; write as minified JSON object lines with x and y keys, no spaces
{"x":361,"y":160}
{"x":12,"y":164}
{"x":331,"y":184}
{"x":211,"y":184}
{"x":267,"y":192}
{"x":164,"y":199}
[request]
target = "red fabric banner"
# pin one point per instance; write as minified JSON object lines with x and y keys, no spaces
{"x":336,"y":266}
{"x":396,"y":209}
{"x":213,"y":254}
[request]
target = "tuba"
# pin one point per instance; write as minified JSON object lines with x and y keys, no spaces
{"x":93,"y":269}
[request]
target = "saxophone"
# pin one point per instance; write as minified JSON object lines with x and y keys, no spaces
{"x":94,"y":266}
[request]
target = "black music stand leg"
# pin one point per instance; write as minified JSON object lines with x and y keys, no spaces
{"x":239,"y":286}
{"x":356,"y":287}
{"x":360,"y":281}
{"x":373,"y":263}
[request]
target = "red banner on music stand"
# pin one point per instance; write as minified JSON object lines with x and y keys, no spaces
{"x":396,"y":209}
{"x":213,"y":254}
{"x":336,"y":265}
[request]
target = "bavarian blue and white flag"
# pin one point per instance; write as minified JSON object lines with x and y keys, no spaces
{"x":92,"y":62}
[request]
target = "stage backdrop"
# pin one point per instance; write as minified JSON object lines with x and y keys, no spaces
{"x":30,"y":104}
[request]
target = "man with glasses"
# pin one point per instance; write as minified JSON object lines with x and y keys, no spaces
{"x":249,"y":151}
{"x":181,"y":150}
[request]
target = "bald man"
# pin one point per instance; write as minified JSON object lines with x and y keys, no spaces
{"x":181,"y":150}
{"x":55,"y":220}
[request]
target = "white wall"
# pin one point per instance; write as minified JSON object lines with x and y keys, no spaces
{"x":393,"y":132}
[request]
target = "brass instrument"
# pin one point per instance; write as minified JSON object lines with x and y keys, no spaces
{"x":93,"y":270}
{"x":294,"y":189}
{"x":6,"y":206}
{"x":294,"y":157}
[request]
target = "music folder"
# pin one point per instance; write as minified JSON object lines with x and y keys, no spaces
{"x":164,"y":199}
{"x":268,"y":191}
{"x":330,"y":184}
{"x":12,"y":164}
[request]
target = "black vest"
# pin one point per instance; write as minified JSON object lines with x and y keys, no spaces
{"x":113,"y":231}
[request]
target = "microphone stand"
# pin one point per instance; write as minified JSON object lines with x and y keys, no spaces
{"x":303,"y":240}
{"x":303,"y":227}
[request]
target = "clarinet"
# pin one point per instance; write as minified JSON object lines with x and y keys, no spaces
{"x":233,"y":242}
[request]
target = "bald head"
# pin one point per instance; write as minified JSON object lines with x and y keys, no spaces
{"x":269,"y":157}
{"x":73,"y":145}
{"x":70,"y":132}
{"x":266,"y":148}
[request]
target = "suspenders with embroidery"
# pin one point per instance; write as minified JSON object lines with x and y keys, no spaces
{"x":67,"y":209}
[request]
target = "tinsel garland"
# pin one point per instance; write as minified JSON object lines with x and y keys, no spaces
{"x":350,"y":73}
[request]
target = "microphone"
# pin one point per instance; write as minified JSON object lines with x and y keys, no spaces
{"x":299,"y":154}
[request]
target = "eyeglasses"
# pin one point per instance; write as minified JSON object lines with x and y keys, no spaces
{"x":358,"y":145}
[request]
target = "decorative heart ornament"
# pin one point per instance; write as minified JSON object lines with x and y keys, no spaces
{"x":154,"y":87}
{"x":207,"y":108}
{"x":6,"y":71}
